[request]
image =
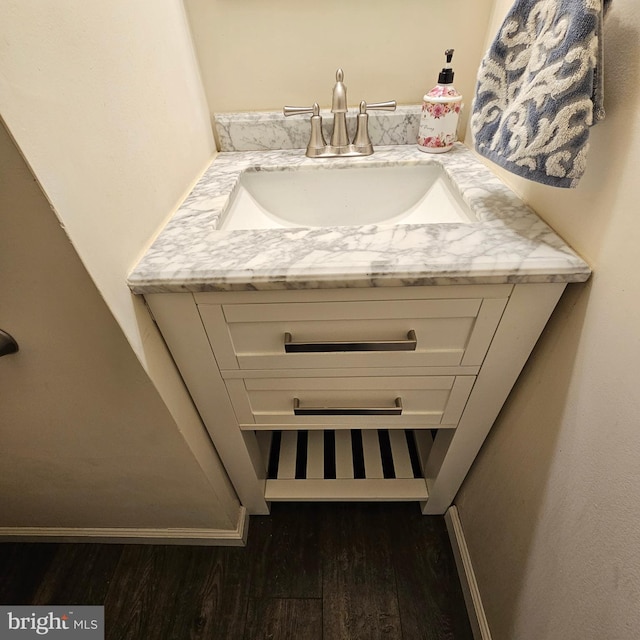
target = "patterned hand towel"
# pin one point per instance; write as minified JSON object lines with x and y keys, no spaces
{"x":540,"y":89}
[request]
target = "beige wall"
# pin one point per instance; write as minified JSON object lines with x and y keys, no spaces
{"x":85,"y":440}
{"x":258,"y":55}
{"x":105,"y":103}
{"x":104,"y":100}
{"x":550,"y":509}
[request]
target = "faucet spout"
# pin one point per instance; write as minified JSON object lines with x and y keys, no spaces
{"x":339,"y":101}
{"x":339,"y":136}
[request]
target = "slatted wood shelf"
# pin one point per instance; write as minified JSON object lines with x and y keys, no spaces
{"x":367,"y":464}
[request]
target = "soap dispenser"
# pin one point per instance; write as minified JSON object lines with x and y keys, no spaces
{"x":440,"y":113}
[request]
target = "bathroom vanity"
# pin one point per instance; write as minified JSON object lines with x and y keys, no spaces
{"x":353,"y":361}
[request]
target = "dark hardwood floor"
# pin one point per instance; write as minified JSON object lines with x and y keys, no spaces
{"x":309,"y":572}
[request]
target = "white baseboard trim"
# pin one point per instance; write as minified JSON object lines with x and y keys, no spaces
{"x":470,"y":589}
{"x":116,"y":535}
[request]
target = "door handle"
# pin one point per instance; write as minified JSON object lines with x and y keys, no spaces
{"x":7,"y":344}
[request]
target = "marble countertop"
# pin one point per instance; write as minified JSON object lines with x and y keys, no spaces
{"x":509,"y":243}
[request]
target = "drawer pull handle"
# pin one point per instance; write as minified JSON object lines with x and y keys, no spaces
{"x":368,"y":345}
{"x":347,"y":411}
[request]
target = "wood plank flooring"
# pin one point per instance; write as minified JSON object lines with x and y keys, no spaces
{"x":343,"y":571}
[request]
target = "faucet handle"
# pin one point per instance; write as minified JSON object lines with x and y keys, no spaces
{"x":299,"y":111}
{"x":361,"y":141}
{"x":317,"y":144}
{"x":390,"y":105}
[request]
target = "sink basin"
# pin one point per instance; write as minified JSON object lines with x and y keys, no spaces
{"x":344,"y":196}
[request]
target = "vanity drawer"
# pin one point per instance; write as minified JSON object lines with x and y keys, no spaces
{"x":392,"y":401}
{"x":393,"y":333}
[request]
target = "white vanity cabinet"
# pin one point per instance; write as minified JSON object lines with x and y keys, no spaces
{"x":352,"y":394}
{"x":353,"y":362}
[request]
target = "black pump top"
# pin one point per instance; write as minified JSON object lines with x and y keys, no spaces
{"x":446,"y":75}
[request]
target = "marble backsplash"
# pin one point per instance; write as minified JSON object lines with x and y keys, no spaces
{"x":270,"y":130}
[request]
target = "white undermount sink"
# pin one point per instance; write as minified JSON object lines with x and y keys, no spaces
{"x":344,"y":196}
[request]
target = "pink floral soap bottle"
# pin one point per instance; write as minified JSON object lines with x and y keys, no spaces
{"x":440,"y":112}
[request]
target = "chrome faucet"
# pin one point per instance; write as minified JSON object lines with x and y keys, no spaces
{"x":339,"y":144}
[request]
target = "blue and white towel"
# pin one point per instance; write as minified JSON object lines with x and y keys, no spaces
{"x":540,"y":89}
